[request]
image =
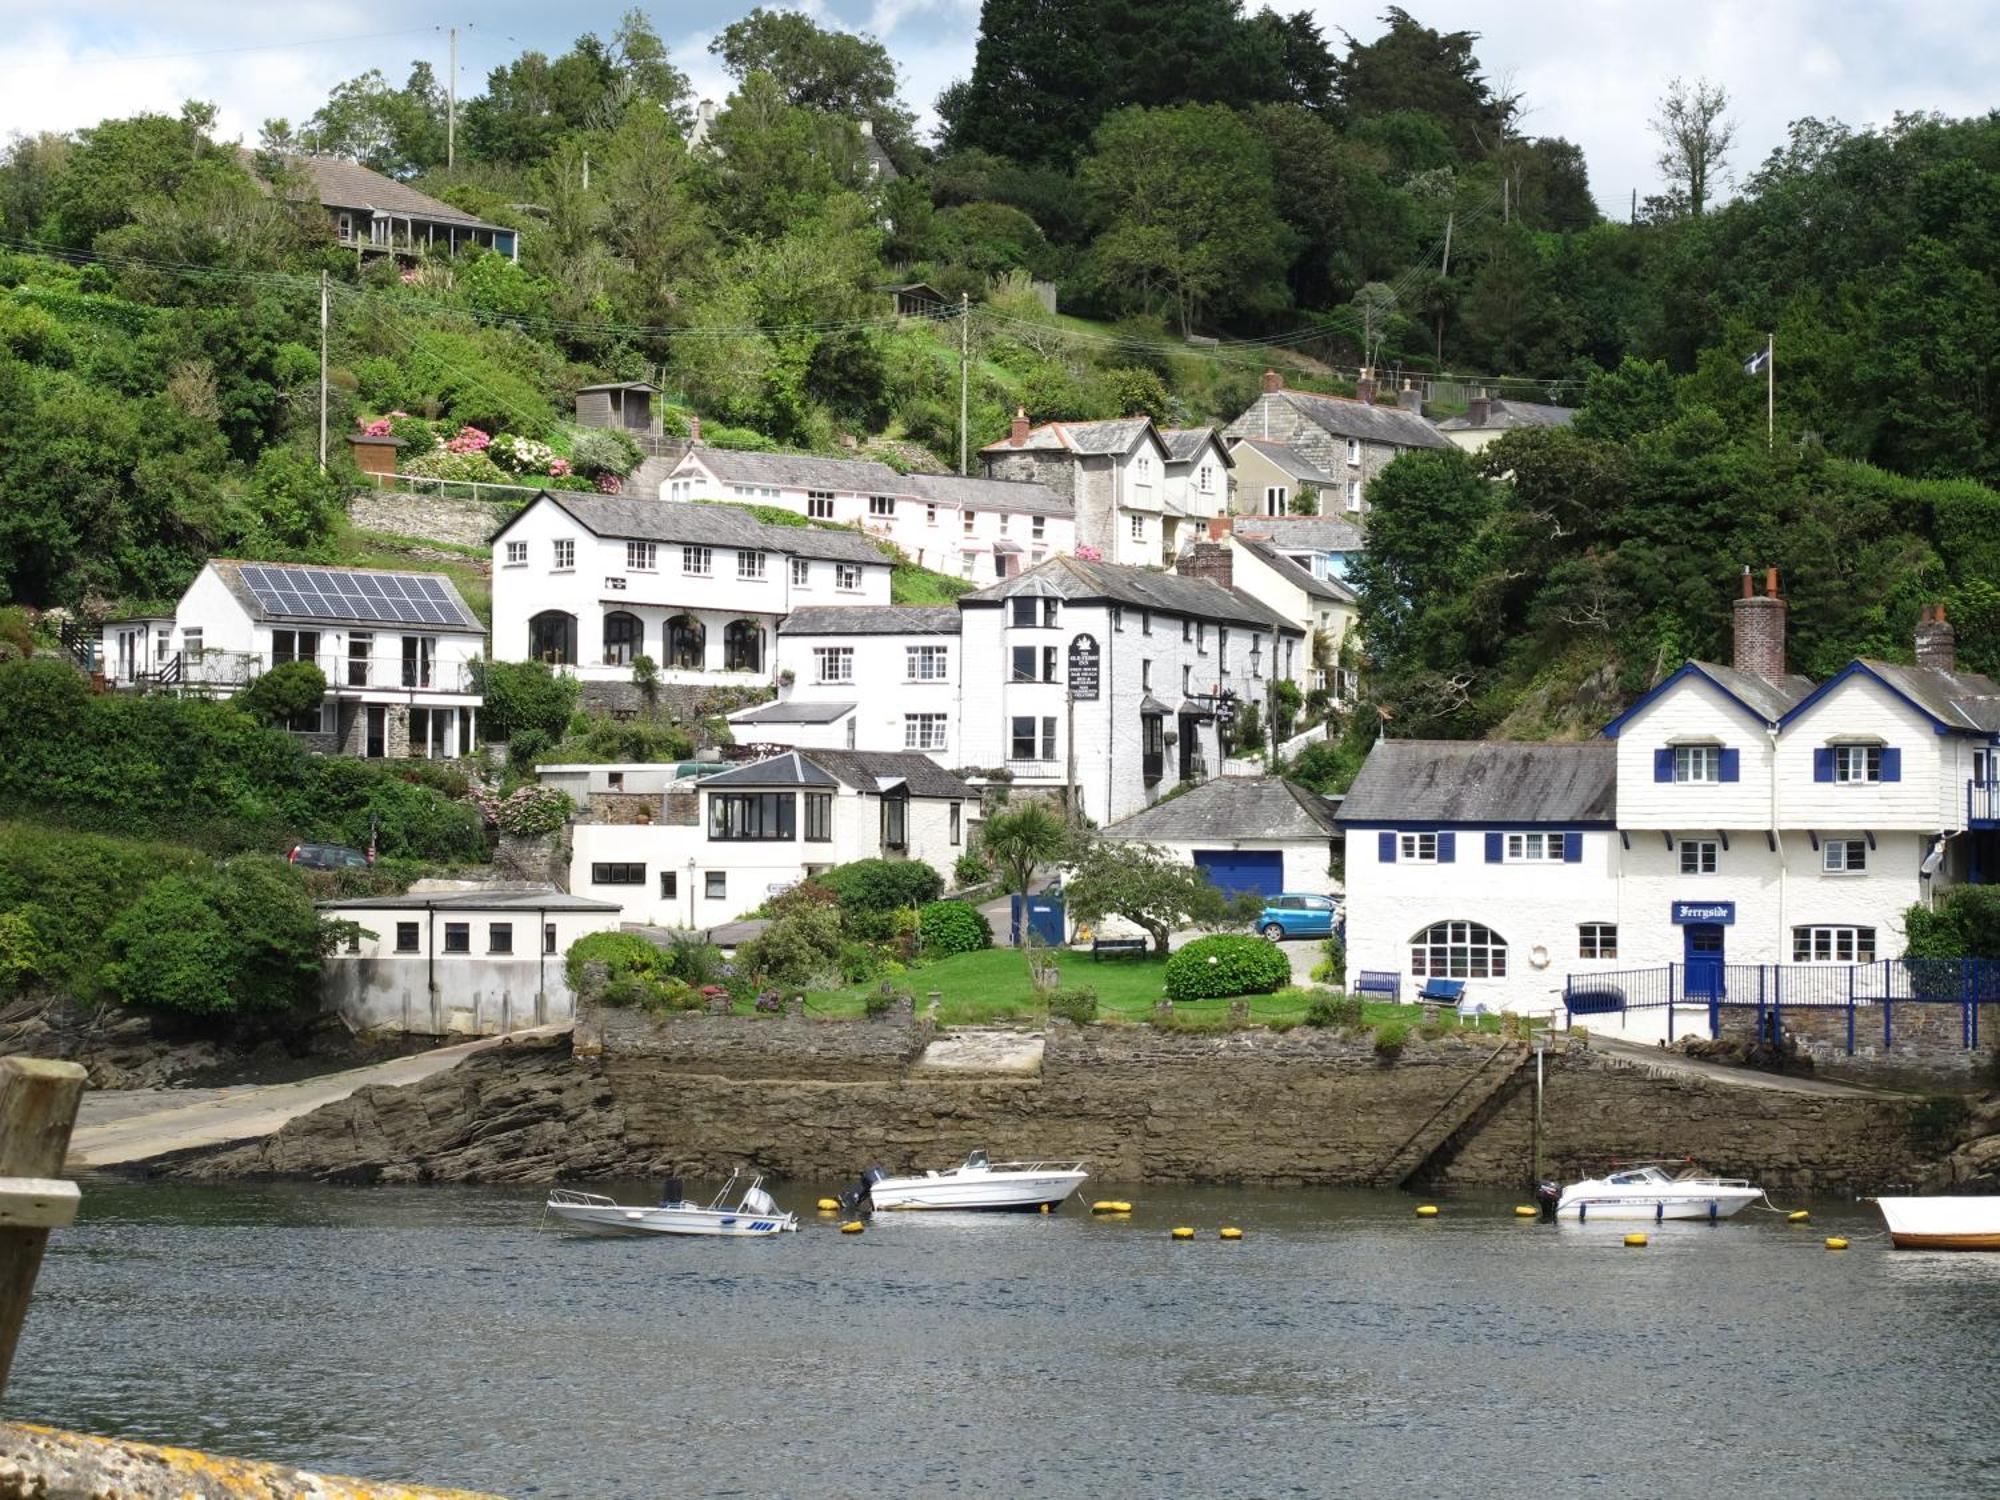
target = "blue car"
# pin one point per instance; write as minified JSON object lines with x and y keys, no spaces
{"x":1289,"y":916}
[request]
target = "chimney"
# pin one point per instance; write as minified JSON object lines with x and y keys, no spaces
{"x":1760,"y":628}
{"x":1937,"y":642}
{"x":1410,"y":398}
{"x":1220,"y":527}
{"x":694,"y":430}
{"x":1210,"y":560}
{"x":1364,"y":386}
{"x":1479,"y":409}
{"x":1273,"y":381}
{"x":1021,"y":424}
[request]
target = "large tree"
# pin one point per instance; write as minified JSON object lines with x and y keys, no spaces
{"x":1695,"y":134}
{"x":1412,"y":67}
{"x":1149,"y":887}
{"x":834,"y":71}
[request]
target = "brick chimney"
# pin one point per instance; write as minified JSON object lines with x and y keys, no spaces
{"x":1364,"y":386}
{"x":1019,"y":434}
{"x":1760,"y":628}
{"x":1210,"y":560}
{"x":1937,"y":642}
{"x":1220,"y":527}
{"x":1410,"y":398}
{"x":1273,"y":381}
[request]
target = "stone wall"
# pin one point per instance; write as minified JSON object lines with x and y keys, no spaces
{"x":1925,"y":1047}
{"x":467,"y":523}
{"x":750,"y":1049}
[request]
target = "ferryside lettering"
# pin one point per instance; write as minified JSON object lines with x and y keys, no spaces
{"x":1701,"y":913}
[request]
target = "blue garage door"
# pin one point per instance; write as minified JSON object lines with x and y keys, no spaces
{"x":1234,"y":870}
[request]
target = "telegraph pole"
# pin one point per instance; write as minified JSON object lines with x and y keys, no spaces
{"x":1072,"y":813}
{"x":451,"y":106}
{"x":964,"y":364}
{"x":322,"y":372}
{"x":1444,"y":274}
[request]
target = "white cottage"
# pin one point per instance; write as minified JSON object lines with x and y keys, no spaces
{"x":1348,"y":440}
{"x":863,"y":677}
{"x":396,"y":650}
{"x":1114,"y":474}
{"x":728,"y":844}
{"x":1260,"y":834}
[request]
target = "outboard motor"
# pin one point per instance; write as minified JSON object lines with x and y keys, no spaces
{"x":671,"y":1192}
{"x":855,"y":1196}
{"x":1547,"y":1196}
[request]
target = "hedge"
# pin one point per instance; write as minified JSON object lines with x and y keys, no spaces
{"x":953,"y":927}
{"x":1226,"y":964}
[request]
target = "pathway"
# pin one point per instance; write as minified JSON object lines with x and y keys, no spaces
{"x":121,"y":1127}
{"x":1666,"y":1063}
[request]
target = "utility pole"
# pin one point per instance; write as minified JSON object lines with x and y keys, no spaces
{"x":1506,"y":206}
{"x":586,"y":171}
{"x":1770,"y":390}
{"x":451,"y":106}
{"x":1444,"y":275}
{"x":1071,"y":812}
{"x":322,"y":372}
{"x":1635,"y":207}
{"x":964,"y":366}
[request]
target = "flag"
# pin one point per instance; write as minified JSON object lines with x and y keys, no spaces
{"x":1754,"y":365}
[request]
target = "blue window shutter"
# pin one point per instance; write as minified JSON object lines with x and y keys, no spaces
{"x":1732,"y":765}
{"x":1572,"y":848}
{"x":1892,"y":764}
{"x":1447,"y":848}
{"x":1385,"y":848}
{"x":1663,"y":764}
{"x":1823,"y":763}
{"x":1493,"y":848}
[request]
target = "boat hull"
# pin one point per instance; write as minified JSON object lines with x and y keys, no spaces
{"x":1942,"y":1223}
{"x":1718,"y":1203}
{"x":618,"y":1219}
{"x":985,"y":1192}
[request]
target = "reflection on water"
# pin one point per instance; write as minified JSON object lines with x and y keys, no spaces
{"x":1342,"y":1345}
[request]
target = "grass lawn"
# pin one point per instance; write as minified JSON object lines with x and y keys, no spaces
{"x":467,"y":566}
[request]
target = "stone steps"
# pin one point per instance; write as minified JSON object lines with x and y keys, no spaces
{"x":1484,"y":1085}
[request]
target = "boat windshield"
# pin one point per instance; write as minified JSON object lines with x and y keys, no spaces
{"x":975,"y":1161}
{"x":1638,"y":1176}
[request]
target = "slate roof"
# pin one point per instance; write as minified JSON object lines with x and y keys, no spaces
{"x":789,"y":769}
{"x":1185,"y":443}
{"x":1320,"y":588}
{"x":1957,"y":700}
{"x":1483,"y":781}
{"x":496,"y":898}
{"x":1191,"y":598}
{"x":1760,"y":695}
{"x":1304,"y":533}
{"x":793,"y":711}
{"x":864,"y":770}
{"x":703,"y":525}
{"x":1288,"y":458}
{"x":1089,"y":438}
{"x":805,"y":471}
{"x":1346,"y":418}
{"x":347,"y":184}
{"x":871,"y":619}
{"x":230,"y":571}
{"x":1018,"y":496}
{"x":1510,"y":414}
{"x":1233,"y":807}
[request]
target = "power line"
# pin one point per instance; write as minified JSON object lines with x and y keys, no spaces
{"x":99,"y":60}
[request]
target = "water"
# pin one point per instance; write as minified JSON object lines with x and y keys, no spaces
{"x":1341,"y":1346}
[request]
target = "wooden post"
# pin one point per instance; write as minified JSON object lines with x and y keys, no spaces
{"x":38,"y":1102}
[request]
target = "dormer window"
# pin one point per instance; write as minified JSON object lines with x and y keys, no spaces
{"x":1698,"y":763}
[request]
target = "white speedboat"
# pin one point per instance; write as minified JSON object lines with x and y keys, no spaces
{"x":1942,"y":1223}
{"x":1649,"y":1193}
{"x":753,"y":1216}
{"x":976,"y":1183}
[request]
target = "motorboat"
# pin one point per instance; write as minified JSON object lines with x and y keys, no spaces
{"x":1650,"y":1193}
{"x":975,"y":1183}
{"x":1942,"y":1223}
{"x":752,"y":1215}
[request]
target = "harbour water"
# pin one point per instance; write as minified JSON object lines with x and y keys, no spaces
{"x":1342,"y":1346}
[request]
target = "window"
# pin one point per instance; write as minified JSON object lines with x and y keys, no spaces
{"x":895,"y":822}
{"x":1256,"y":656}
{"x":750,"y":567}
{"x":847,"y":576}
{"x":291,"y":645}
{"x":1143,"y":469}
{"x":683,"y":489}
{"x":743,"y":646}
{"x":687,"y":643}
{"x":642,"y":557}
{"x":957,"y":823}
{"x":670,"y":884}
{"x":1458,"y":950}
{"x":965,"y":521}
{"x":499,"y":937}
{"x":1833,"y":945}
{"x":1187,"y":677}
{"x":1138,"y":528}
{"x":801,"y":573}
{"x":1353,"y":495}
{"x":407,"y":940}
{"x":1004,"y":519}
{"x":1534,"y":848}
{"x":1275,"y":496}
{"x":360,"y":658}
{"x":834,"y":663}
{"x":715,"y":885}
{"x":697,"y":562}
{"x":458,"y":937}
{"x":819,"y":817}
{"x":1597,"y":940}
{"x":1023,"y":742}
{"x":1417,"y":848}
{"x":1698,"y":763}
{"x":965,"y":565}
{"x":882,"y":505}
{"x":312,"y":721}
{"x":563,"y":555}
{"x":548,"y":937}
{"x":923,"y":731}
{"x":191,"y":643}
{"x":1857,"y":763}
{"x":1038,"y":528}
{"x":1222,"y":647}
{"x":819,"y":504}
{"x":1187,"y":630}
{"x":614,"y":781}
{"x":927,"y":663}
{"x":1118,"y":618}
{"x":1354,"y":452}
{"x":1204,"y":479}
{"x":346,"y":222}
{"x":764,"y":817}
{"x":517,"y":554}
{"x":624,"y":638}
{"x":1844,"y":856}
{"x":552,"y":638}
{"x":1145,"y":674}
{"x":930,"y":515}
{"x":1025,"y":612}
{"x":1201,"y":636}
{"x":617,"y":874}
{"x":1698,"y":856}
{"x":1145,"y":622}
{"x":1025,"y":660}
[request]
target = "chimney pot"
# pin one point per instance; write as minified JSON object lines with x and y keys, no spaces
{"x":1771,"y":582}
{"x":1364,"y":386}
{"x":1019,"y":435}
{"x":694,"y":431}
{"x":1937,"y":641}
{"x":1760,"y":629}
{"x":1749,"y":587}
{"x":1273,"y":381}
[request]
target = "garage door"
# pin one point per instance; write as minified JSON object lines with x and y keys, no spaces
{"x":1261,"y":871}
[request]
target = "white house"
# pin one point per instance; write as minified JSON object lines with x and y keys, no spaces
{"x":456,"y":962}
{"x":867,"y":678}
{"x":1114,"y":678}
{"x":1319,"y":604}
{"x":1488,"y":417}
{"x":1114,"y":474}
{"x":1732,"y":816}
{"x":1260,"y":834}
{"x":1198,"y":484}
{"x":728,"y":844}
{"x":592,"y":582}
{"x":1349,"y":440}
{"x":1325,"y":546}
{"x":396,"y":650}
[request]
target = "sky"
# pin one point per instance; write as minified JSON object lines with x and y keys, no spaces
{"x":1588,"y":70}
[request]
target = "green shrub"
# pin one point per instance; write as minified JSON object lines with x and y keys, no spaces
{"x":1226,"y":964}
{"x":522,"y":696}
{"x":694,"y":960}
{"x":288,"y":690}
{"x":1389,"y":1039}
{"x":799,"y":948}
{"x":1342,"y":1011}
{"x":972,"y":868}
{"x":860,"y":962}
{"x":625,"y":954}
{"x":601,"y":450}
{"x":883,"y":884}
{"x":953,"y":927}
{"x":1332,"y":969}
{"x":879,"y":1002}
{"x":1078,"y":1004}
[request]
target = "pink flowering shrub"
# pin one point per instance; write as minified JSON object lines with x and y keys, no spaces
{"x":470,"y":440}
{"x":528,"y":812}
{"x":1088,"y":553}
{"x":558,"y":467}
{"x":607,"y":484}
{"x":377,"y":428}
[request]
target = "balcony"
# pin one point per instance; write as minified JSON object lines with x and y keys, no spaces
{"x":1982,"y":803}
{"x":225,"y":672}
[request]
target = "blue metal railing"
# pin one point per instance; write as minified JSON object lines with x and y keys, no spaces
{"x":1982,"y":802}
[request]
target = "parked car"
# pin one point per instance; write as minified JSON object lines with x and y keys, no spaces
{"x":1290,"y":916}
{"x":328,"y":857}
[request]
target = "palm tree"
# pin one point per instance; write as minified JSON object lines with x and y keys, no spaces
{"x":1020,"y":840}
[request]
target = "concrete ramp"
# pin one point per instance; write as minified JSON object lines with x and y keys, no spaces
{"x":984,"y":1053}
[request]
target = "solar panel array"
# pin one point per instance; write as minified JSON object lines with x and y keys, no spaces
{"x":321,"y":594}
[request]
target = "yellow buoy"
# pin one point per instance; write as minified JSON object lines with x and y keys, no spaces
{"x":1428,"y":1211}
{"x":852,"y":1226}
{"x":1523,"y":1211}
{"x":1230,"y":1232}
{"x":829,"y":1205}
{"x":1183,"y":1233}
{"x":1636,"y":1241}
{"x":1798,"y":1216}
{"x":1835,"y":1242}
{"x":1045,"y":1208}
{"x":1111,"y":1206}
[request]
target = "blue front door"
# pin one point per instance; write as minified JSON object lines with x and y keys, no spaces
{"x":1704,"y":961}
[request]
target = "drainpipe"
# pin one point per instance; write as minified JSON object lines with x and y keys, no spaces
{"x":1778,"y":839}
{"x":431,"y":958}
{"x":541,"y":967}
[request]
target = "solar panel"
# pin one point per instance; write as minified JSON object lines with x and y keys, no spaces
{"x":369,"y":584}
{"x":316,"y":593}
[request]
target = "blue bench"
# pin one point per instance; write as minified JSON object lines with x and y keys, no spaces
{"x":1385,"y":984}
{"x":1445,"y":991}
{"x":1102,"y":945}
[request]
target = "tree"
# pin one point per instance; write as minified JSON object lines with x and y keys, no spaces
{"x":1619,"y":404}
{"x":523,"y":696}
{"x":836,"y":72}
{"x":1147,"y":886}
{"x":1304,"y":501}
{"x":771,"y":164}
{"x":286,"y":692}
{"x":1412,"y":67}
{"x":1020,"y":840}
{"x":398,"y":132}
{"x":1695,"y":137}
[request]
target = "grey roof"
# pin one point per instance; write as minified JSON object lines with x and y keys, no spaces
{"x":1365,"y":420}
{"x":1758,"y":694}
{"x":1185,"y":443}
{"x":1506,"y":414}
{"x":347,"y":184}
{"x":703,"y":525}
{"x":789,"y":769}
{"x":1190,"y":598}
{"x":793,"y":711}
{"x":1320,"y":588}
{"x":806,"y":471}
{"x":1116,"y":436}
{"x":620,"y":385}
{"x":1304,"y":533}
{"x":872,"y":619}
{"x":230,"y":571}
{"x":1233,"y":807}
{"x":1021,"y":496}
{"x":1288,"y":458}
{"x":1483,"y":781}
{"x":864,"y":770}
{"x":496,"y":898}
{"x":1963,"y":700}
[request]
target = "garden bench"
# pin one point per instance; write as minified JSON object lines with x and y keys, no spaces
{"x":1101,"y":945}
{"x":1386,"y":984}
{"x":1445,"y":991}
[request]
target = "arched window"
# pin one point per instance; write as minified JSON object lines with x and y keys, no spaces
{"x":552,"y":638}
{"x":1458,"y":950}
{"x":743,"y":647}
{"x":687,"y":644}
{"x":624,"y":638}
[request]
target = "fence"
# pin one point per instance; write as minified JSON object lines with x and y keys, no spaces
{"x":455,"y":489}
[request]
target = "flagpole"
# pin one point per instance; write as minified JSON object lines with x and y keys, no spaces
{"x":1770,"y":390}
